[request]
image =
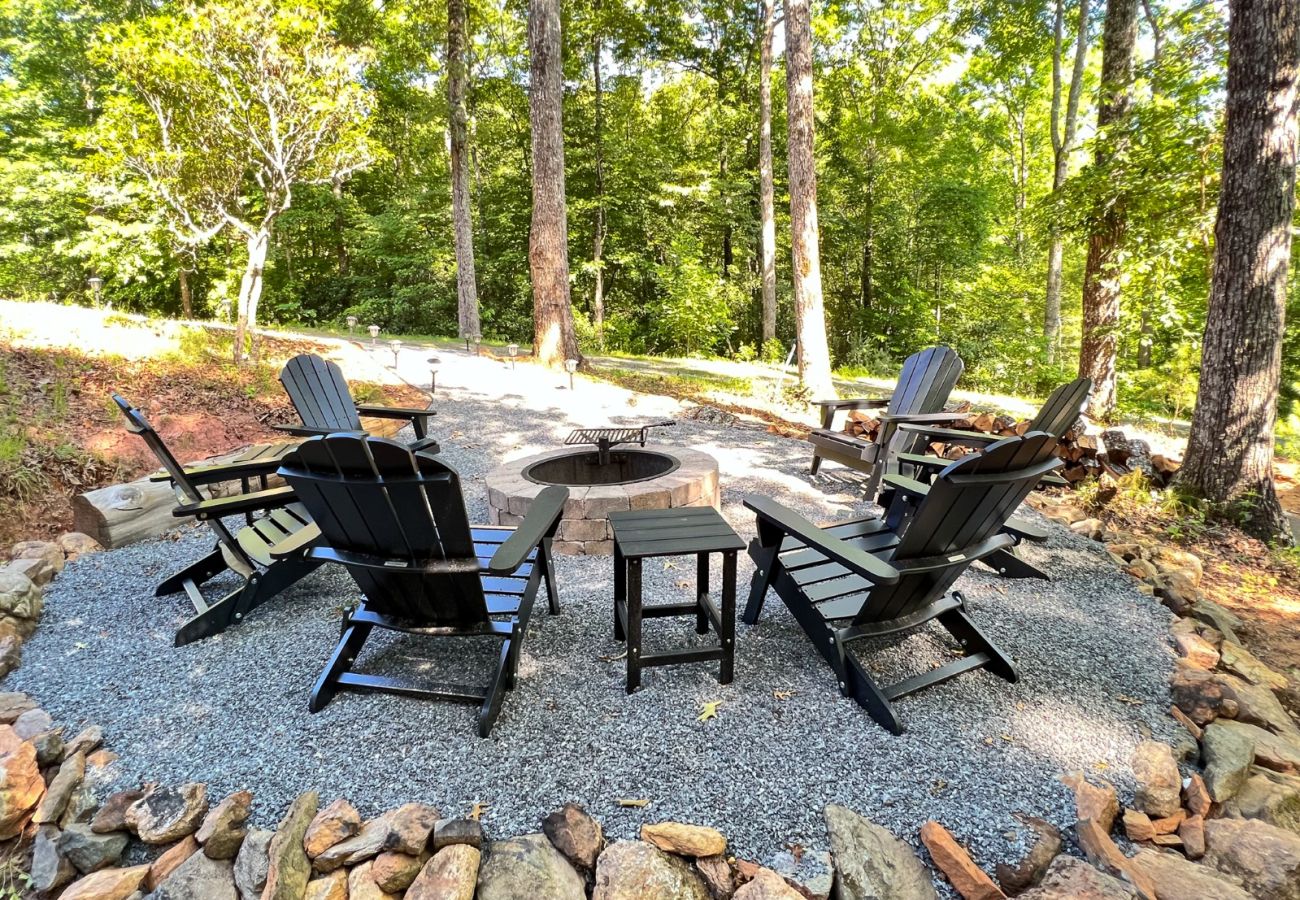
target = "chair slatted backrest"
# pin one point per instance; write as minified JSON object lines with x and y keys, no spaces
{"x":967,"y":504}
{"x":373,"y":496}
{"x":927,"y":379}
{"x":1063,"y":408}
{"x":137,"y":424}
{"x":320,"y":393}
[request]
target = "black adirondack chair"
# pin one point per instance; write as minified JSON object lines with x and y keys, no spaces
{"x":246,"y":552}
{"x":321,"y":396}
{"x":396,"y":521}
{"x":1056,"y":416}
{"x":853,"y":582}
{"x":923,"y":387}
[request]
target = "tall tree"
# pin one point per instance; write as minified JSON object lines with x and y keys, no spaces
{"x":1063,"y":136}
{"x":766,"y":191}
{"x":554,"y":338}
{"x":462,"y":218}
{"x":230,"y":106}
{"x":1230,"y":450}
{"x":598,"y":237}
{"x":1101,"y":278}
{"x":810,"y":316}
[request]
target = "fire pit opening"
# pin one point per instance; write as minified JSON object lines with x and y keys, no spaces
{"x":586,"y":468}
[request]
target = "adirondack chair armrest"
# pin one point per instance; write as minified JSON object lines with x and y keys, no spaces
{"x":542,"y":519}
{"x":909,"y":486}
{"x":969,"y":555}
{"x":302,"y":430}
{"x":853,"y":403}
{"x":219,"y":472}
{"x":219,"y":507}
{"x":295,"y":543}
{"x":950,"y":435}
{"x":795,"y":525}
{"x":419,"y":418}
{"x":899,"y":419}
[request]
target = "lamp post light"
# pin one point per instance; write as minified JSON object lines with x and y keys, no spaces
{"x":434,"y":362}
{"x":570,"y":366}
{"x":395,"y":346}
{"x":468,"y":338}
{"x":352,"y":325}
{"x":374,"y":334}
{"x":478,"y":339}
{"x":513,"y":350}
{"x":95,"y":283}
{"x":223,"y":310}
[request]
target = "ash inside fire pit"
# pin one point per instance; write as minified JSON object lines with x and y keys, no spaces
{"x":585,"y":468}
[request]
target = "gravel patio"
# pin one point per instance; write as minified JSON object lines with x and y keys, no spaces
{"x":231,"y":711}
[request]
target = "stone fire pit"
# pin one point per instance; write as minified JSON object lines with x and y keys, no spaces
{"x":651,"y":477}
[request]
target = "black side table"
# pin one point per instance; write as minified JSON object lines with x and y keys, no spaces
{"x":642,"y":533}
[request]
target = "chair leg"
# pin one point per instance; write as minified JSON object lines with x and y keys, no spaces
{"x":863,"y":689}
{"x":232,"y":608}
{"x":816,"y":464}
{"x":215,"y":619}
{"x":765,"y":564}
{"x":340,"y":661}
{"x":973,"y":640}
{"x":491,"y":707}
{"x":1009,"y":565}
{"x":548,"y":573}
{"x":196,"y":572}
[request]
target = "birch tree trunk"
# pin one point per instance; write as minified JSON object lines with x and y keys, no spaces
{"x":767,"y":191}
{"x":466,"y":282}
{"x":1101,"y":279}
{"x":810,"y":316}
{"x":554,"y":339}
{"x":1062,"y":145}
{"x":250,"y":291}
{"x":1230,"y":451}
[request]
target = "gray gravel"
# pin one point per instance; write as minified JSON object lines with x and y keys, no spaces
{"x":232,"y":711}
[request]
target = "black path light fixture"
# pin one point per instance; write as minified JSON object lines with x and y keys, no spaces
{"x":95,"y":283}
{"x":478,"y":340}
{"x":374,"y":334}
{"x":396,"y":347}
{"x":570,"y":366}
{"x":513,"y":350}
{"x":352,"y":325}
{"x":434,"y":362}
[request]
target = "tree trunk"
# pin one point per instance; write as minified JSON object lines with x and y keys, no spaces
{"x":1101,"y":279}
{"x":554,"y":339}
{"x":340,"y":243}
{"x":1230,"y":450}
{"x":1145,"y":338}
{"x":1062,"y":145}
{"x":187,"y":297}
{"x":466,"y":282}
{"x":250,"y":291}
{"x":767,"y":191}
{"x":598,"y":239}
{"x":810,"y":317}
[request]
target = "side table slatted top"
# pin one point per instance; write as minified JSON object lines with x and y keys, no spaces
{"x":673,"y":532}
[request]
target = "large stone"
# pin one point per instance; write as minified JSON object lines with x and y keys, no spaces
{"x":167,"y":814}
{"x":86,"y":741}
{"x":1073,"y":879}
{"x":49,"y":747}
{"x":336,"y":822}
{"x":1196,"y":649}
{"x":1242,"y":663}
{"x":50,"y":870}
{"x":81,"y":807}
{"x":1102,"y":852}
{"x":199,"y":878}
{"x":409,"y":828}
{"x":288,"y":868}
{"x":872,"y":864}
{"x":528,"y":866}
{"x":74,"y":544}
{"x":107,"y":884}
{"x":1043,"y":848}
{"x":575,"y":834}
{"x":1264,"y":857}
{"x":637,"y":870}
{"x":112,"y":815}
{"x":1192,"y":833}
{"x":1099,"y":804}
{"x":1137,"y":826}
{"x":1228,"y":753}
{"x":33,"y":722}
{"x":170,"y":860}
{"x":1159,"y":783}
{"x":1201,"y":695}
{"x":1177,"y":879}
{"x":34,"y":568}
{"x":955,"y":863}
{"x":21,"y":785}
{"x":450,"y":874}
{"x":395,"y":871}
{"x":767,"y":885}
{"x":12,"y":705}
{"x":366,"y":844}
{"x":810,"y":872}
{"x":223,"y":829}
{"x":685,"y":840}
{"x":1279,"y":752}
{"x":717,"y":875}
{"x":61,"y":789}
{"x":1196,"y":796}
{"x":333,"y":886}
{"x":361,"y":886}
{"x":252,"y":862}
{"x":1269,"y":797}
{"x":19,"y":596}
{"x":49,"y":551}
{"x":458,"y":831}
{"x":88,"y":851}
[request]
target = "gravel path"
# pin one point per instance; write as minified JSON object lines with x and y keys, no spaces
{"x":232,"y":710}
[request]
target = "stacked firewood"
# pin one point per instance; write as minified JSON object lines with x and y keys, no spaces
{"x":1110,"y":452}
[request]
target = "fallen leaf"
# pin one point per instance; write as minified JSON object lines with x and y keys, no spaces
{"x":669,"y":564}
{"x":626,"y":801}
{"x":477,"y":812}
{"x":622,"y":655}
{"x":783,"y":695}
{"x":709,"y":710}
